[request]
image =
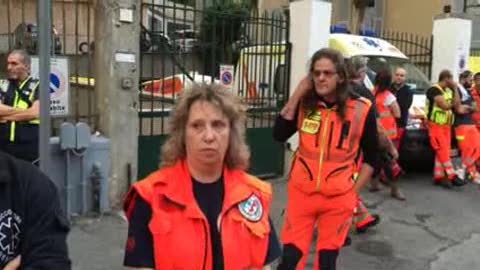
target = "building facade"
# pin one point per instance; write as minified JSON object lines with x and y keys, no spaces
{"x":408,"y":16}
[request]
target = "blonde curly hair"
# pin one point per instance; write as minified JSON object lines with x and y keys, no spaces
{"x":238,"y":152}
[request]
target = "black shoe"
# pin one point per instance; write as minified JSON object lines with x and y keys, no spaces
{"x":372,"y":223}
{"x":348,"y":241}
{"x":445,"y":183}
{"x":458,"y":182}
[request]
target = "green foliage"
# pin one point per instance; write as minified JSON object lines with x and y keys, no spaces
{"x":222,"y":25}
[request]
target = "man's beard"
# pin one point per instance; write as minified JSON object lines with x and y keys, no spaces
{"x":467,"y":85}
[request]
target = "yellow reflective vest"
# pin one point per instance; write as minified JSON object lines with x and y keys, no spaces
{"x":23,"y":99}
{"x":438,"y":115}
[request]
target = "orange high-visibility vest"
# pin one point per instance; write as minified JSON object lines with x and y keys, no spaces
{"x":385,"y":116}
{"x":181,"y":234}
{"x":476,"y":99}
{"x":328,"y":146}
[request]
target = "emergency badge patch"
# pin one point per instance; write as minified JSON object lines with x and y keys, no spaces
{"x":311,"y":123}
{"x":310,"y":126}
{"x":251,"y":208}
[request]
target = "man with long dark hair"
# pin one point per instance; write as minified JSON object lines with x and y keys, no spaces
{"x":334,"y":124}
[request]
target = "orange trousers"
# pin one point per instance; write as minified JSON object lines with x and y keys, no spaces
{"x":440,"y":140}
{"x":331,"y":215}
{"x":361,"y":215}
{"x":468,"y":138}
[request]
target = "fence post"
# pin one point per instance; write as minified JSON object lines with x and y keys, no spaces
{"x":45,"y":34}
{"x":313,"y":18}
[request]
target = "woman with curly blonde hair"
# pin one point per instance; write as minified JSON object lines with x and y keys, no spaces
{"x":201,"y":210}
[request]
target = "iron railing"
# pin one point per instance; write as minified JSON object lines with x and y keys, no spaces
{"x":418,"y":48}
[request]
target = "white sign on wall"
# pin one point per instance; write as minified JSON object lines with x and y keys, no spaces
{"x":226,"y":75}
{"x":59,"y":84}
{"x":451,"y":45}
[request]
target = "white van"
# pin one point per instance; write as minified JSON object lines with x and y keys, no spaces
{"x":383,"y":55}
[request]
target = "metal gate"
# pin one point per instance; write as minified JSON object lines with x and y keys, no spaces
{"x":182,"y":44}
{"x":418,"y":48}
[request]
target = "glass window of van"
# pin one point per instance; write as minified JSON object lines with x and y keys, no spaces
{"x":417,"y":80}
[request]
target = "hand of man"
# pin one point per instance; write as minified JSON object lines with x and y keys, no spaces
{"x":464,"y":109}
{"x":289,"y":110}
{"x":394,"y":153}
{"x":453,"y":85}
{"x":13,"y":264}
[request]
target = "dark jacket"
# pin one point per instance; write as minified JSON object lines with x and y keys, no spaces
{"x":404,"y":99}
{"x":32,"y":223}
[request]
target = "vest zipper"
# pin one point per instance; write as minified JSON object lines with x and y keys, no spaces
{"x":330,"y":139}
{"x":205,"y":232}
{"x":322,"y":150}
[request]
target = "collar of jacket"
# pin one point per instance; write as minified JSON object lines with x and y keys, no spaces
{"x":176,"y":185}
{"x":322,"y":104}
{"x":20,"y":84}
{"x":398,"y":86}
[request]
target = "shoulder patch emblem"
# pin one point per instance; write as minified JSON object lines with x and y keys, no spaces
{"x":3,"y":85}
{"x":251,"y":208}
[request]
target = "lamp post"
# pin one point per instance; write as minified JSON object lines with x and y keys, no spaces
{"x":45,"y":34}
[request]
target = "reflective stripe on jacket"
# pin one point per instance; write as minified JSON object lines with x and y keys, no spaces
{"x":328,"y":146}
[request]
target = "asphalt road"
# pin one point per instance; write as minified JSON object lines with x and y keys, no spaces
{"x":435,"y":229}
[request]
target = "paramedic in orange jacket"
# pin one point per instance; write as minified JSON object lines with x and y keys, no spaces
{"x":439,"y":104}
{"x":475,"y":93}
{"x":357,"y":71}
{"x":333,"y":125}
{"x":466,"y":133}
{"x":200,"y":210}
{"x":388,"y":114}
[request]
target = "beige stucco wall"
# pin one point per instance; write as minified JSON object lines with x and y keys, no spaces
{"x":69,"y":17}
{"x":269,"y":5}
{"x":412,"y":16}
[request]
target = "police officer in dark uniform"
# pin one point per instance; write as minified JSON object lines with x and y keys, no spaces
{"x":19,"y":109}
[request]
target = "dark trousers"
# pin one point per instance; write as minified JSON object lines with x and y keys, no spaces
{"x":26,"y":151}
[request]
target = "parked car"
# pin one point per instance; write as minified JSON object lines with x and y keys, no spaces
{"x":185,"y":40}
{"x":25,"y":37}
{"x":415,"y":150}
{"x":153,"y":41}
